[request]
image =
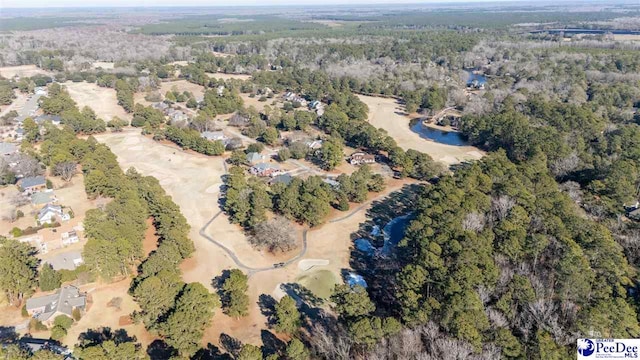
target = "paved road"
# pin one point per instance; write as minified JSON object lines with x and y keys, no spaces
{"x":252,"y":270}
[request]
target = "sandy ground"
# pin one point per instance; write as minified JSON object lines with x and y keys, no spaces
{"x":389,"y":115}
{"x":229,"y":76}
{"x":69,"y":194}
{"x":22,"y":71}
{"x":103,"y":65}
{"x":102,"y":100}
{"x":193,"y":181}
{"x":99,"y":314}
{"x":626,"y":37}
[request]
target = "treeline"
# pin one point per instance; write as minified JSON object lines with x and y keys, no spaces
{"x":190,"y":139}
{"x":176,"y":311}
{"x":309,"y":201}
{"x":500,"y":258}
{"x":58,"y":102}
{"x":579,"y":143}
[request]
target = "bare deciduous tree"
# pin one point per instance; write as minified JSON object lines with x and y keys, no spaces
{"x":65,"y":170}
{"x":275,"y":235}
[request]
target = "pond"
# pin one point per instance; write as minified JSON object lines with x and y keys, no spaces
{"x":394,"y":232}
{"x":444,"y":137}
{"x":480,"y":78}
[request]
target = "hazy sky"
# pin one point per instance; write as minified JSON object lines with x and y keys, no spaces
{"x":84,"y":3}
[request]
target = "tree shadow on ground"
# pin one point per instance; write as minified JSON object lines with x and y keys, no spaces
{"x":230,"y":344}
{"x":267,"y":306}
{"x":211,"y":352}
{"x":8,"y":334}
{"x":271,"y":344}
{"x":217,"y":283}
{"x":97,"y":336}
{"x":159,"y":350}
{"x":379,"y":270}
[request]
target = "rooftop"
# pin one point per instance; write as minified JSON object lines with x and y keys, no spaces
{"x":32,"y":181}
{"x":63,"y":301}
{"x":66,"y":261}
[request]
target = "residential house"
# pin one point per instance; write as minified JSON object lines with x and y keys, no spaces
{"x":37,"y":241}
{"x":40,"y":90}
{"x":289,"y":96}
{"x":281,"y":179}
{"x":19,"y":134}
{"x":238,"y":120}
{"x":32,"y":345}
{"x":265,"y":169}
{"x":255,"y":158}
{"x":66,"y":261}
{"x":55,"y":119}
{"x":314,"y":144}
{"x":70,"y":237}
{"x":33,"y":183}
{"x":220,"y":90}
{"x":359,"y":158}
{"x":49,"y":213}
{"x":43,"y":197}
{"x":160,"y":106}
{"x":7,"y":149}
{"x":214,"y":136}
{"x":63,"y":302}
{"x":332,"y":182}
{"x":178,"y":116}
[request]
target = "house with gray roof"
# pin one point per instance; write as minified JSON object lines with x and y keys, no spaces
{"x":214,"y":135}
{"x":55,"y":119}
{"x":43,"y":197}
{"x":254,"y":158}
{"x":7,"y":148}
{"x":63,"y":302}
{"x":66,"y":261}
{"x":265,"y":169}
{"x":282,"y":179}
{"x":33,"y":183}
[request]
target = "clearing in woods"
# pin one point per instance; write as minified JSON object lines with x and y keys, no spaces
{"x":102,"y":100}
{"x":22,"y":71}
{"x":389,"y":115}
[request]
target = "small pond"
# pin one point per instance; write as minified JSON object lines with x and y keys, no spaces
{"x":480,"y":78}
{"x":394,"y":232}
{"x":444,"y":137}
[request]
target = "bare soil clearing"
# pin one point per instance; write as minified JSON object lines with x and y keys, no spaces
{"x":102,"y":100}
{"x":224,"y":76}
{"x":22,"y":71}
{"x":389,"y":115}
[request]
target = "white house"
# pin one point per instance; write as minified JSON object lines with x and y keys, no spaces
{"x":51,"y":212}
{"x":69,"y":238}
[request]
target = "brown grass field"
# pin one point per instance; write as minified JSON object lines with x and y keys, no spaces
{"x":102,"y":100}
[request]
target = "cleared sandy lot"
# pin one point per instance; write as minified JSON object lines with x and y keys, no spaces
{"x":22,"y":71}
{"x":103,"y":65}
{"x":388,"y":115}
{"x":100,"y":315}
{"x":102,"y":100}
{"x":182,"y":85}
{"x":229,"y":76}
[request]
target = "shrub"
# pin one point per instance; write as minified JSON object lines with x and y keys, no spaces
{"x":57,"y":333}
{"x":76,"y":314}
{"x":16,"y":232}
{"x":63,"y":321}
{"x":19,"y":214}
{"x":49,"y":184}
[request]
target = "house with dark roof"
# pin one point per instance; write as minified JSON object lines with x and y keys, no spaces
{"x":33,"y":183}
{"x":63,"y":302}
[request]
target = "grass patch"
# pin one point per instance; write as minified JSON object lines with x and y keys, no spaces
{"x":319,"y":282}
